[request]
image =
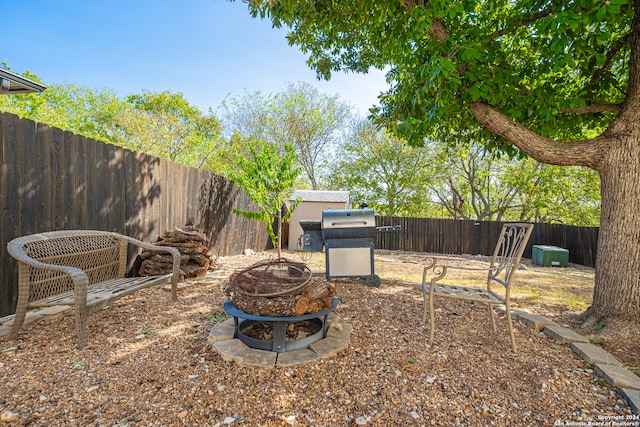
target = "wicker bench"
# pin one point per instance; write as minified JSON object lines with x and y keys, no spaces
{"x":84,"y":269}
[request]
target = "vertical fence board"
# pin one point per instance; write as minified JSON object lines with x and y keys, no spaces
{"x":57,"y":176}
{"x":28,"y":178}
{"x":154,"y":195}
{"x":167,"y":210}
{"x":103,"y":198}
{"x":91,"y":177}
{"x":80,"y":184}
{"x":132,"y":193}
{"x":24,"y":132}
{"x":119,"y":177}
{"x":43,"y":183}
{"x":11,"y":153}
{"x":163,"y":201}
{"x":69,"y":172}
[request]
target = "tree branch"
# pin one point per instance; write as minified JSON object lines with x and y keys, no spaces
{"x":524,"y":21}
{"x":610,"y":55}
{"x":579,"y":153}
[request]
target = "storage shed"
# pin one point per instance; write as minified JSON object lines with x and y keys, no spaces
{"x":311,"y":207}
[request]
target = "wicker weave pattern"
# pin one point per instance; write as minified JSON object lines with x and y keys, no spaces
{"x":97,"y":256}
{"x":83,"y":268}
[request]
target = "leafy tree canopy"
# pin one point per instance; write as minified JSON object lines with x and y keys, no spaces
{"x":538,"y":62}
{"x":384,"y":172}
{"x":470,"y":182}
{"x":162,"y":124}
{"x":301,"y":115}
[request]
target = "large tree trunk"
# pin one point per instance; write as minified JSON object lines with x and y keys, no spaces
{"x":616,"y":156}
{"x":616,"y":295}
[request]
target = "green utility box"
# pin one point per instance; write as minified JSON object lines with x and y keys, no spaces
{"x":549,"y":256}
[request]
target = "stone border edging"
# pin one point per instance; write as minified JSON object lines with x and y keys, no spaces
{"x":222,"y":340}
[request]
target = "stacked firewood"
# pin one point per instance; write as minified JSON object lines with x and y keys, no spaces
{"x":279,"y":288}
{"x":194,"y":254}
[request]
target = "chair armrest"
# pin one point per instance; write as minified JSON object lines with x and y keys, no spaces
{"x":16,"y":252}
{"x":78,"y":276}
{"x":173,"y":251}
{"x":438,"y":271}
{"x":442,"y":262}
{"x":438,"y":268}
{"x":149,"y":246}
{"x":176,"y":260}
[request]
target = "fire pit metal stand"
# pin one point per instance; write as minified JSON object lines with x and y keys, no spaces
{"x":279,"y":344}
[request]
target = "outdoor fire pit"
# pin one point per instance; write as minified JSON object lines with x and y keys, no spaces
{"x":278,"y":306}
{"x":279,"y":334}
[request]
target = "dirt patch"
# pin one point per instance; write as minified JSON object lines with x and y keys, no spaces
{"x":148,"y":363}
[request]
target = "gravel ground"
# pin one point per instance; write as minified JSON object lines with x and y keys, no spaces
{"x":148,"y":363}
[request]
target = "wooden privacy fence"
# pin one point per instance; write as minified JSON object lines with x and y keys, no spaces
{"x":447,"y":236}
{"x":55,"y":180}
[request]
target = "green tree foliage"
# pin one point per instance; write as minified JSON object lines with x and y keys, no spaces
{"x":552,"y":194}
{"x":558,"y":80}
{"x":312,"y":121}
{"x":464,"y":181}
{"x":300,"y":114}
{"x":472,"y":183}
{"x":161,"y":124}
{"x":468,"y":183}
{"x":81,"y":110}
{"x":166,"y":124}
{"x":268,"y":174}
{"x":383,"y":171}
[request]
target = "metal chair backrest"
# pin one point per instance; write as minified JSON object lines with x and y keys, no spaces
{"x":509,"y":249}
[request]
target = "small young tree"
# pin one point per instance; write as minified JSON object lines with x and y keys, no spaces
{"x":267,"y":173}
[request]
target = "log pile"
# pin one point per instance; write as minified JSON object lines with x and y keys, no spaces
{"x":279,"y":288}
{"x":194,"y":254}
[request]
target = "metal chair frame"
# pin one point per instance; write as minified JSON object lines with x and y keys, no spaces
{"x":504,"y":263}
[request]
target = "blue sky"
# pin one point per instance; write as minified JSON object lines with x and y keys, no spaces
{"x":205,"y":49}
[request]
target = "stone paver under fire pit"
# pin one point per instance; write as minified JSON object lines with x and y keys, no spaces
{"x":232,"y":349}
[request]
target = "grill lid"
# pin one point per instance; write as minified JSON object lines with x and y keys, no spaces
{"x":351,"y":218}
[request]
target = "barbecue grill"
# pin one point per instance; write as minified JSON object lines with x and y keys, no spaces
{"x":348,"y":243}
{"x":312,"y":236}
{"x":347,"y":239}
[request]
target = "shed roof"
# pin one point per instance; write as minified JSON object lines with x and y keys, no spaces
{"x":321,"y":196}
{"x":13,"y":83}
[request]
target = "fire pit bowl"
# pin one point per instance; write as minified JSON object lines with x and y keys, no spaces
{"x":279,"y":341}
{"x":278,"y":306}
